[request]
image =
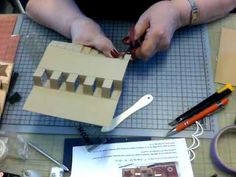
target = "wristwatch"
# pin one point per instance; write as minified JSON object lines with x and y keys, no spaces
{"x":194,"y":12}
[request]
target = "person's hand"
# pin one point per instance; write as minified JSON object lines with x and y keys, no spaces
{"x":159,"y":22}
{"x":86,"y":32}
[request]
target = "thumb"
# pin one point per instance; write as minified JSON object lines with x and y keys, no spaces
{"x":103,"y":44}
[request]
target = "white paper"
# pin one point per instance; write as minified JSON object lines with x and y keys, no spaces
{"x":107,"y":160}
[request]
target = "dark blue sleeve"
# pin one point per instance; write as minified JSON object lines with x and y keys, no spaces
{"x":24,"y":2}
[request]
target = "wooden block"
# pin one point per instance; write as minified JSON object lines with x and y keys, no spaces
{"x":65,"y":75}
{"x":99,"y":82}
{"x":86,"y":50}
{"x":3,"y":94}
{"x":117,"y":85}
{"x":38,"y":74}
{"x":76,"y":47}
{"x":5,"y":74}
{"x":81,"y":79}
{"x":94,"y":52}
{"x":71,"y":82}
{"x":48,"y":73}
{"x":3,"y":68}
{"x":89,"y":85}
{"x":107,"y":88}
{"x":55,"y":79}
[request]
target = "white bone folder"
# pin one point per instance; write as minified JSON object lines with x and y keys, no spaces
{"x":142,"y":102}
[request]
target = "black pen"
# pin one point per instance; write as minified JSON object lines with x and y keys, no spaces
{"x":217,"y":96}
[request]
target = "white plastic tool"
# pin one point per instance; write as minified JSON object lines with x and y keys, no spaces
{"x":142,"y":102}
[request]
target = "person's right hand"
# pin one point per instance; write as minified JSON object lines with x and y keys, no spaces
{"x":87,"y":32}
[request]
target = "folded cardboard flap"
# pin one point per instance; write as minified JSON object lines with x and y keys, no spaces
{"x":77,"y":83}
{"x":226,"y":63}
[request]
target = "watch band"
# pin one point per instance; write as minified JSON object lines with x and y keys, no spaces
{"x":194,"y":12}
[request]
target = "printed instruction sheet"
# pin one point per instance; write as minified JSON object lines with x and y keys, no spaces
{"x":152,"y":158}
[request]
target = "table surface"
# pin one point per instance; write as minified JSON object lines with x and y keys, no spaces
{"x":202,"y":164}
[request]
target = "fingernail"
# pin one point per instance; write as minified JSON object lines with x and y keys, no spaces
{"x":114,"y":53}
{"x":126,"y":40}
{"x":117,"y":53}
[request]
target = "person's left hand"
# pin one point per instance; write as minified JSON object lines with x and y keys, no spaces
{"x":87,"y":32}
{"x":159,"y":22}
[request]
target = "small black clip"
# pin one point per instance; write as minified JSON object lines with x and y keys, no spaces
{"x":14,"y":98}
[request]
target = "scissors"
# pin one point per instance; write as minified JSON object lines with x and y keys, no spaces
{"x":132,"y":43}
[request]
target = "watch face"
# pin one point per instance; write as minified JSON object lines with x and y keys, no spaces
{"x":153,"y":170}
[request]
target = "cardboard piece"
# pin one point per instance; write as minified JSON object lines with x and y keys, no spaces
{"x":77,"y":83}
{"x":226,"y":64}
{"x":8,"y":47}
{"x":7,"y":24}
